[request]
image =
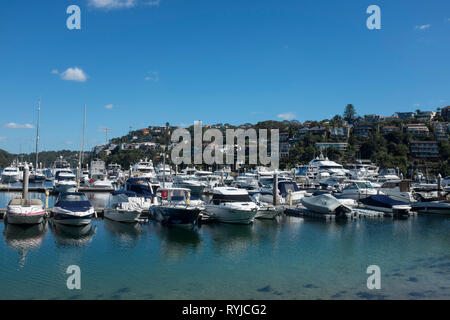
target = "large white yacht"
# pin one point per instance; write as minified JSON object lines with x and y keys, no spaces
{"x":11,"y":174}
{"x":232,"y":205}
{"x":65,"y":181}
{"x":59,"y":164}
{"x":143,"y":169}
{"x":323,"y":168}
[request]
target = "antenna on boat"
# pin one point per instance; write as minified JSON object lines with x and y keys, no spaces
{"x":37,"y":134}
{"x":80,"y":157}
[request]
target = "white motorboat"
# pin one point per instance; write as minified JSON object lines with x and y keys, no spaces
{"x":101,"y":181}
{"x":125,"y":206}
{"x":288,"y":192}
{"x":143,"y":169}
{"x":232,"y":205}
{"x":25,"y":211}
{"x":268,"y":211}
{"x":190,"y":182}
{"x":65,"y":181}
{"x":59,"y":164}
{"x":359,"y":189}
{"x":11,"y":174}
{"x":72,"y":208}
{"x":325,"y":204}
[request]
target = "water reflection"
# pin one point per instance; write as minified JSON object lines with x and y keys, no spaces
{"x":176,"y":241}
{"x":230,"y":238}
{"x":24,"y":238}
{"x":72,"y":236}
{"x":127,"y":234}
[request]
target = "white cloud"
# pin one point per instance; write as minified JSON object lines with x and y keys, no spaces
{"x":13,"y":125}
{"x":2,"y":138}
{"x":152,"y":3}
{"x":109,"y":106}
{"x":54,"y":71}
{"x":286,"y":116}
{"x":152,"y":77}
{"x":112,"y":4}
{"x":74,"y":74}
{"x":423,"y":27}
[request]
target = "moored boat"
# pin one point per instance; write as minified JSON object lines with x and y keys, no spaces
{"x":176,"y":207}
{"x":232,"y":205}
{"x":388,"y":205}
{"x":25,"y":211}
{"x":72,"y":208}
{"x":123,"y":208}
{"x":325,"y":204}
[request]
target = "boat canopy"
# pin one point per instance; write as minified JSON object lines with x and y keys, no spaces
{"x":382,"y":201}
{"x":286,"y":186}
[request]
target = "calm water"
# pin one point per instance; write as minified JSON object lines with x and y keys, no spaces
{"x":291,"y":258}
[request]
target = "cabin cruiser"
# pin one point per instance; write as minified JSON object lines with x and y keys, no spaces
{"x":25,"y":211}
{"x":59,"y":164}
{"x":176,"y":207}
{"x":101,"y":181}
{"x":192,"y":183}
{"x":144,"y":189}
{"x":323,"y":168}
{"x":232,"y":205}
{"x":358,"y":189}
{"x":210,"y":182}
{"x":72,"y":208}
{"x":398,"y":190}
{"x":11,"y":174}
{"x":362,"y":170}
{"x":288,"y":191}
{"x":37,"y":175}
{"x":326,"y":204}
{"x":114,"y":172}
{"x":385,"y":204}
{"x":163,"y":172}
{"x":65,"y":181}
{"x":125,"y":206}
{"x":387,"y":174}
{"x":143,"y":169}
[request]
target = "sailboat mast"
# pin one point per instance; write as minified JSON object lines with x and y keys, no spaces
{"x":37,"y":135}
{"x":82,"y":138}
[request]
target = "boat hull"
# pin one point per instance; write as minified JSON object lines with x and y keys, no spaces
{"x":72,"y":219}
{"x":24,"y":218}
{"x":174,"y":215}
{"x":122,"y":215}
{"x":229,"y":215}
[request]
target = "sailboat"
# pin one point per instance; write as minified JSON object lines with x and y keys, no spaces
{"x":37,"y":175}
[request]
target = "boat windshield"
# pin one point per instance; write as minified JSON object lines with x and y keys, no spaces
{"x":73,"y":197}
{"x":66,"y":178}
{"x":220,"y":198}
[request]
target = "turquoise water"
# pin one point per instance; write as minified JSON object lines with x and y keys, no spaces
{"x":291,"y":258}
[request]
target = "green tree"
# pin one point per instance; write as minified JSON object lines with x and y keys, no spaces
{"x":350,"y":113}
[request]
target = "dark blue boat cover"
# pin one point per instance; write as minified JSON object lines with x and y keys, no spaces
{"x":382,"y":201}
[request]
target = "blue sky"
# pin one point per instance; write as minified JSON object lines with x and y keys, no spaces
{"x":143,"y":62}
